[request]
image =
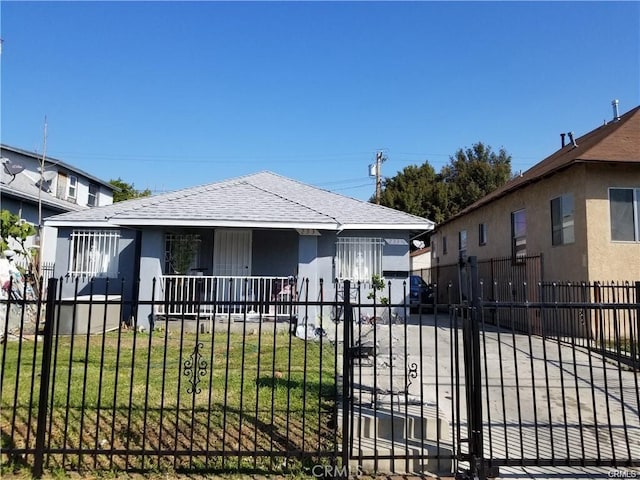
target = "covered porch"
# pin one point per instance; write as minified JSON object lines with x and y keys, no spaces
{"x":241,"y":297}
{"x":221,"y":273}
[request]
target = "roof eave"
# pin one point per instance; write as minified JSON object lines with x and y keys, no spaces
{"x":390,"y":226}
{"x":33,"y":199}
{"x":80,"y":224}
{"x":236,"y":224}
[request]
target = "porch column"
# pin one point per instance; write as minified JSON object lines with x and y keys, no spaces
{"x":151,"y":253}
{"x":308,"y":270}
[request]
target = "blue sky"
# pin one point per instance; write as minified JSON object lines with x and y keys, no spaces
{"x":168,"y":95}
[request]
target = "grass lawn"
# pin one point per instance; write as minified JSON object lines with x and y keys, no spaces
{"x":261,"y":401}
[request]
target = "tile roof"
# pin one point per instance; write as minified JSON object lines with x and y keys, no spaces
{"x":262,"y":199}
{"x":615,"y":142}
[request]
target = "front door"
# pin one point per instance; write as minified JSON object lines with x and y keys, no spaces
{"x":232,"y":253}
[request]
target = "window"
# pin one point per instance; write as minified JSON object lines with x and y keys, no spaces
{"x":93,"y":195}
{"x":462,"y":243}
{"x":358,"y":259}
{"x":624,"y":209}
{"x":482,"y":234}
{"x":182,"y":252}
{"x":518,"y":235}
{"x":562,"y":231}
{"x":94,"y":252}
{"x":444,"y":245}
{"x":72,"y":187}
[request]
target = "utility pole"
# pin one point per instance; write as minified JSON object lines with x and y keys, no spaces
{"x":38,"y":256}
{"x":379,"y":160}
{"x":44,"y":156}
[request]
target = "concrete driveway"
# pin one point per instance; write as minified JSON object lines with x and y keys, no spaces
{"x":541,"y":399}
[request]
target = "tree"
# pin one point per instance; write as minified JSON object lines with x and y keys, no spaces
{"x":411,"y":190}
{"x":471,"y":174}
{"x":182,"y":252}
{"x":127,"y":191}
{"x":14,"y":232}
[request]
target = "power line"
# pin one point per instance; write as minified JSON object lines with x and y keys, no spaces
{"x":337,"y":182}
{"x":258,"y":159}
{"x":351,"y":188}
{"x":200,"y":158}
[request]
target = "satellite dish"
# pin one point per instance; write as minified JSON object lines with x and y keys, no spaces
{"x":44,"y":182}
{"x":418,"y":244}
{"x":12,"y":168}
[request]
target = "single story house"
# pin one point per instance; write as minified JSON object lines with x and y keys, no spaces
{"x":252,"y":236}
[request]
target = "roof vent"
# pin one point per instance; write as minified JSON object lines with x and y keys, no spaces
{"x":616,"y":115}
{"x":571,"y":139}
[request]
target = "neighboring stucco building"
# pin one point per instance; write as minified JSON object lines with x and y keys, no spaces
{"x":35,"y":194}
{"x":421,"y":261}
{"x":263,"y":228}
{"x":579,"y":208}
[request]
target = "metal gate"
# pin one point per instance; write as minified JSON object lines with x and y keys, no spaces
{"x":545,"y":378}
{"x":551,"y":376}
{"x":401,"y":391}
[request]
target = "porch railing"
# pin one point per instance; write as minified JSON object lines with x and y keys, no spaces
{"x":193,"y":295}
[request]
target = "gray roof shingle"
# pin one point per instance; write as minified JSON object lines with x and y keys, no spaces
{"x":24,"y":187}
{"x":261,"y":199}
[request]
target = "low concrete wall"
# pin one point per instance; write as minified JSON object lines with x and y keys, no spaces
{"x":87,"y":314}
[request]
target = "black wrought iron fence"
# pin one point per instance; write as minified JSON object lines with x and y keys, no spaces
{"x":539,"y":392}
{"x":560,"y":378}
{"x":601,"y":316}
{"x":502,"y":277}
{"x":343,"y":381}
{"x":242,"y":395}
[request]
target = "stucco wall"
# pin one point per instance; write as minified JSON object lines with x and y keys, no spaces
{"x":592,"y":256}
{"x":123,"y":284}
{"x":395,"y":262}
{"x":151,"y":265}
{"x":609,"y":260}
{"x":421,"y":260}
{"x":25,"y":210}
